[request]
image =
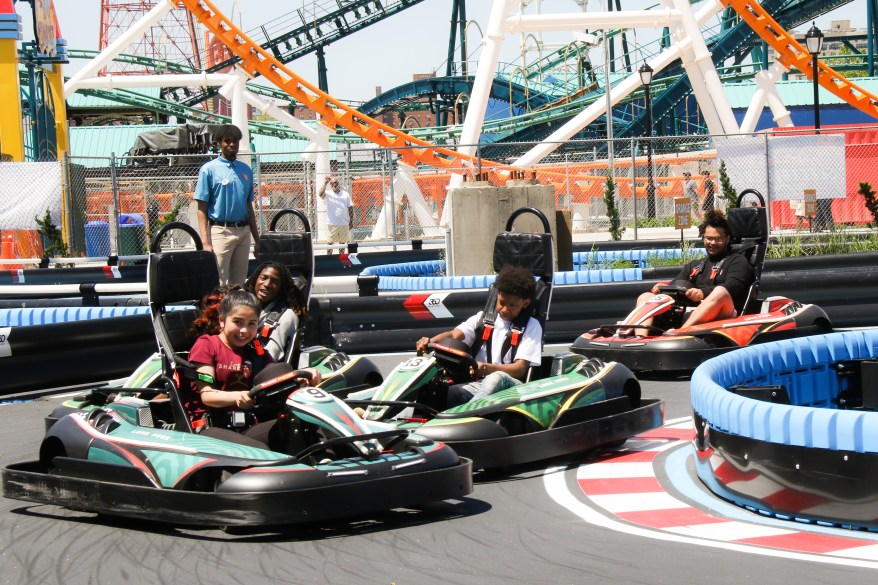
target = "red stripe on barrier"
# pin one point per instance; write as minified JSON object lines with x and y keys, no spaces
{"x":415,"y":306}
{"x":343,"y":258}
{"x":788,"y":499}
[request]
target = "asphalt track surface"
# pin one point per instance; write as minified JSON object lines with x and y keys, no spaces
{"x":512,"y":529}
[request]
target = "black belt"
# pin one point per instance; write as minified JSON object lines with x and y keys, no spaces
{"x":241,"y":223}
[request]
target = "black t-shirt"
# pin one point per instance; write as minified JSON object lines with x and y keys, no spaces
{"x":734,"y":274}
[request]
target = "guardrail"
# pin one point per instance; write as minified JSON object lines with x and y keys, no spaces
{"x":806,"y":448}
{"x":394,"y":321}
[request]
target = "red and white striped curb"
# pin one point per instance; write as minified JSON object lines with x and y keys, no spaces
{"x":624,"y":484}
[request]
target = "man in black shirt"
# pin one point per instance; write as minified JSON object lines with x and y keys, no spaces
{"x":720,"y":282}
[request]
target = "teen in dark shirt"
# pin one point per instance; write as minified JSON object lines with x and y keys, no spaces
{"x":719,"y":282}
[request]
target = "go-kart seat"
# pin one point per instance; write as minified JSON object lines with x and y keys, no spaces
{"x":534,"y":251}
{"x":295,"y":251}
{"x":174,"y":278}
{"x":750,"y":238}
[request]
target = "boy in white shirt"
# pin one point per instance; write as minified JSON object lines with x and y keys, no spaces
{"x":509,"y":348}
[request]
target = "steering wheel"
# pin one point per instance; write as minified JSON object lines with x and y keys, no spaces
{"x":676,"y":291}
{"x":458,"y":361}
{"x":281,"y":384}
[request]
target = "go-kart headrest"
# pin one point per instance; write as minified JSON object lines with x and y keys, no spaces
{"x":175,"y":277}
{"x":748,"y":222}
{"x":292,"y":249}
{"x":532,"y":251}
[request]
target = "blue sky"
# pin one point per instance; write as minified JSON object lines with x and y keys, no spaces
{"x":386,"y":54}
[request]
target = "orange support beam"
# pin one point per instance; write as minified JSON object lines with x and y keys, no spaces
{"x":793,"y":54}
{"x":255,"y":60}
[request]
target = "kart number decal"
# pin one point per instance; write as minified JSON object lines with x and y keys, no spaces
{"x":413,"y":364}
{"x":311,"y":396}
{"x":5,"y":346}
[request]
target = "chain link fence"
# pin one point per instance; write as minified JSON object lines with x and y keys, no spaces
{"x":113,"y":204}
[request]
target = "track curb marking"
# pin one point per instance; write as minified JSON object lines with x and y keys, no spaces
{"x":622,"y":491}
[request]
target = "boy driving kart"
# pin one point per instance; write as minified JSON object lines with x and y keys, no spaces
{"x":503,"y":349}
{"x":717,"y":285}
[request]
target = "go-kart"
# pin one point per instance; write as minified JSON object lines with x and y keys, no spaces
{"x":294,"y":250}
{"x":568,"y":404}
{"x":133,"y":452}
{"x":668,"y":346}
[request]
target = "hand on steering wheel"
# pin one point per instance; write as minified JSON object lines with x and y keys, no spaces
{"x":679,"y":293}
{"x":283,"y":383}
{"x":459,"y":361}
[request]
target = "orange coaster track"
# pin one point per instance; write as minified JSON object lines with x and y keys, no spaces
{"x":255,"y":60}
{"x":792,"y":54}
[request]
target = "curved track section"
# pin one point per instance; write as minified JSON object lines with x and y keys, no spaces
{"x":787,"y":428}
{"x":255,"y":60}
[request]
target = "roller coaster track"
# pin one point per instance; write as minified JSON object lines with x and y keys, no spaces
{"x":450,"y":88}
{"x":327,"y":22}
{"x":257,"y":61}
{"x":793,"y":54}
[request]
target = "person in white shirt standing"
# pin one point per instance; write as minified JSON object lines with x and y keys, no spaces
{"x":339,"y":213}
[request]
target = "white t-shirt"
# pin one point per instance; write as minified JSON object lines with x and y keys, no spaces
{"x":337,"y":205}
{"x":530,"y":347}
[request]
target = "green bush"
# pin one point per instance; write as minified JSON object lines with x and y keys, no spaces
{"x":51,"y":234}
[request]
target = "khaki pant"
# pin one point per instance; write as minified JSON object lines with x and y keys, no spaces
{"x":338,"y":233}
{"x":232,"y":248}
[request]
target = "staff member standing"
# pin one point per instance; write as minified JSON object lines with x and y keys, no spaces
{"x":339,"y":212}
{"x":226,"y":220}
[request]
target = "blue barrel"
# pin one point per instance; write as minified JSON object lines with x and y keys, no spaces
{"x":97,"y":238}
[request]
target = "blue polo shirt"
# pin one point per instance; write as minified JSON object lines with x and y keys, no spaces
{"x":227,"y":187}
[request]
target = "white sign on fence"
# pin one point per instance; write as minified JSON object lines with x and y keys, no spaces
{"x":794,"y":163}
{"x":26,"y":191}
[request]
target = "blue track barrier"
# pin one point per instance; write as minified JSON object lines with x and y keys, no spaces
{"x":49,"y":315}
{"x":598,"y":258}
{"x":786,"y":429}
{"x":804,"y":367}
{"x":416,"y":276}
{"x":422,"y":268}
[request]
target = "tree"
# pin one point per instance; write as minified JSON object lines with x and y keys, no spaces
{"x":156,"y":223}
{"x":53,"y":239}
{"x":616,"y":228}
{"x":727,"y":191}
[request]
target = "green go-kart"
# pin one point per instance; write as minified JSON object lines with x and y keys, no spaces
{"x":132,"y":451}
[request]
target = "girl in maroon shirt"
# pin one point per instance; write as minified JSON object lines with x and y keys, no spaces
{"x":226,"y":362}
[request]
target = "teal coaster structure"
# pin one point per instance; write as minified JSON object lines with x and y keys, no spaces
{"x":788,"y":428}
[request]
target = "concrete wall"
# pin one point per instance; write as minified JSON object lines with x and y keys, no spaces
{"x":479,"y":211}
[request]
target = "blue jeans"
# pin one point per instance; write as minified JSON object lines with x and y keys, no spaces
{"x":462,"y":393}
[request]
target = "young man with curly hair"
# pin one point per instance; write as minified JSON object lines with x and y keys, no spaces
{"x":507,"y":364}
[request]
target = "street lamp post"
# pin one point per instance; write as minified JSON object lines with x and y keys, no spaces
{"x":814,"y":43}
{"x":646,"y":78}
